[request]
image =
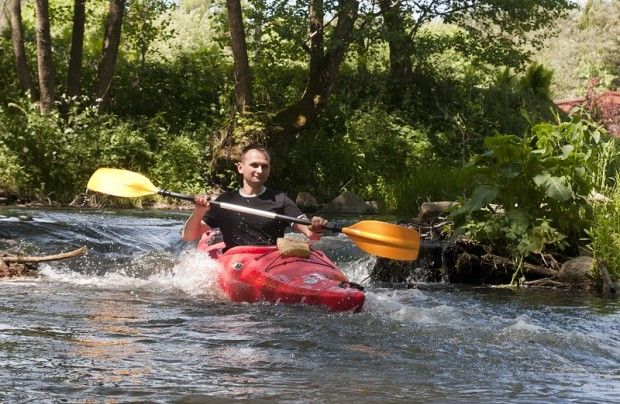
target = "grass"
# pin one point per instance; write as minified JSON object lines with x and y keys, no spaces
{"x":430,"y":183}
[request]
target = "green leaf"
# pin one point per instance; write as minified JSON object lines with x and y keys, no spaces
{"x":482,"y":196}
{"x":541,"y":179}
{"x":558,"y":188}
{"x":566,"y":151}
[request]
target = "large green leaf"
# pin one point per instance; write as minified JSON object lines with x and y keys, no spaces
{"x":558,"y":188}
{"x":482,"y":196}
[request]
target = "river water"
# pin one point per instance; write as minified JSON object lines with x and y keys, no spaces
{"x":140,"y":318}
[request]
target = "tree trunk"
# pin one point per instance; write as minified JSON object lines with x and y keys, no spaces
{"x":17,"y":38}
{"x":109,"y":54}
{"x":399,"y":49}
{"x":45,"y":65}
{"x":323,"y":70}
{"x":243,"y":79}
{"x":77,"y":45}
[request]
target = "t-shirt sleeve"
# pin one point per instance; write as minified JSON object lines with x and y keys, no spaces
{"x":210,"y":218}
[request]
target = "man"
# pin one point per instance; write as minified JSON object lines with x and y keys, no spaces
{"x":241,"y":228}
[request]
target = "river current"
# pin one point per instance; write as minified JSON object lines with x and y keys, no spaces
{"x":140,"y":318}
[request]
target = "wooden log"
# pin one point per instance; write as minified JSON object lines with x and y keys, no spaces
{"x":45,"y":258}
{"x":544,"y":282}
{"x":528,"y":269}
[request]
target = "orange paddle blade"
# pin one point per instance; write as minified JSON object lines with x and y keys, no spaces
{"x":385,"y":239}
{"x":117,"y":182}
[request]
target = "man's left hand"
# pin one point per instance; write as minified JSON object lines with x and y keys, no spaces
{"x":317,"y":228}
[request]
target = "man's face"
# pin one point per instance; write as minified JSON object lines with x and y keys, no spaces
{"x":254,"y":167}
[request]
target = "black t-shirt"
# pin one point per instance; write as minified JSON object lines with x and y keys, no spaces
{"x":244,"y":229}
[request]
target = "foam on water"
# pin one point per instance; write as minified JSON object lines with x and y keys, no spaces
{"x":411,"y":306}
{"x":358,"y":270}
{"x":193,"y":273}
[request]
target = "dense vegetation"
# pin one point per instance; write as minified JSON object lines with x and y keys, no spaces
{"x":396,"y":103}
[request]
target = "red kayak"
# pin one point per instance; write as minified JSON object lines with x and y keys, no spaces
{"x":260,"y":273}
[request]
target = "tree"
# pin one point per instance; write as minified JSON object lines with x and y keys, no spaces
{"x":243,"y":79}
{"x":109,"y":54}
{"x":489,"y":31}
{"x":325,"y":58}
{"x":17,"y":39}
{"x":586,"y":46}
{"x":145,"y":22}
{"x":45,"y":65}
{"x":400,"y":48}
{"x":77,"y":45}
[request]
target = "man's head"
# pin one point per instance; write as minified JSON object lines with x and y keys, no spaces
{"x":255,"y":165}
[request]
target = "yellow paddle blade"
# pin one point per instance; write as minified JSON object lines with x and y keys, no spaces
{"x":113,"y":181}
{"x":385,"y":239}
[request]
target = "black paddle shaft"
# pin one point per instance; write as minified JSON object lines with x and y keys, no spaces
{"x":256,"y":212}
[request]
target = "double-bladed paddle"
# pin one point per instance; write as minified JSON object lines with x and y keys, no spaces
{"x":378,"y":238}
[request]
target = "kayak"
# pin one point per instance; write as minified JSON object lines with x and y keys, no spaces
{"x":260,"y":273}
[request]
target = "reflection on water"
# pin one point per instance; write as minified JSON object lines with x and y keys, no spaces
{"x":140,"y":318}
{"x":113,"y":343}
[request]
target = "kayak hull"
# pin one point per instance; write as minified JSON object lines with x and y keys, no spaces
{"x":259,"y":273}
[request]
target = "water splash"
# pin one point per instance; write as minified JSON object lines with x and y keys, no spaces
{"x":193,"y":272}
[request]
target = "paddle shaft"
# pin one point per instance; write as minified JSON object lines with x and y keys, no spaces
{"x":250,"y":211}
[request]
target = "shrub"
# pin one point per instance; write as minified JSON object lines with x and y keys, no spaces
{"x":59,"y":152}
{"x":12,"y":176}
{"x":179,"y":166}
{"x":437,"y":181}
{"x":605,"y":233}
{"x":384,"y":149}
{"x":532,"y":192}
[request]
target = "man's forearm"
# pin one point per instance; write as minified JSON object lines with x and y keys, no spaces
{"x":194,"y":227}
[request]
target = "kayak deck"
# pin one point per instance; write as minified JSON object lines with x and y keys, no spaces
{"x":260,"y":273}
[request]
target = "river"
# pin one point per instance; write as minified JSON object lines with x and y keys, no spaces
{"x":140,"y":318}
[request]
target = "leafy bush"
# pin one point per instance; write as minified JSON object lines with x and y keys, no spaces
{"x":60,"y":152}
{"x":187,"y":91}
{"x":384,"y":149}
{"x":179,"y":166}
{"x":12,"y":175}
{"x":532,"y":192}
{"x":605,"y":233}
{"x":437,"y":181}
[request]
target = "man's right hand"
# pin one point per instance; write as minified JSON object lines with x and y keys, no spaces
{"x":201,"y":203}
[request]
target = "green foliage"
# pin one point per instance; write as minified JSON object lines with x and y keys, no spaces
{"x":145,"y":22}
{"x":431,"y":181}
{"x":172,"y":98}
{"x":533,"y":191}
{"x":59,"y":153}
{"x":318,"y":162}
{"x":383,"y":149}
{"x":373,"y":159}
{"x":190,"y":91}
{"x":585,"y":47}
{"x":8,"y":78}
{"x":12,"y":175}
{"x":177,"y":166}
{"x":605,"y":232}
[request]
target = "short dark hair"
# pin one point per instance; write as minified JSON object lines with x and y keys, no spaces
{"x":255,"y":146}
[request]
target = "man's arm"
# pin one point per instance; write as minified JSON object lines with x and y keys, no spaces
{"x":195,"y":227}
{"x":313,"y":231}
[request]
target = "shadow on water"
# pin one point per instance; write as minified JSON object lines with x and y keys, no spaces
{"x":140,"y":318}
